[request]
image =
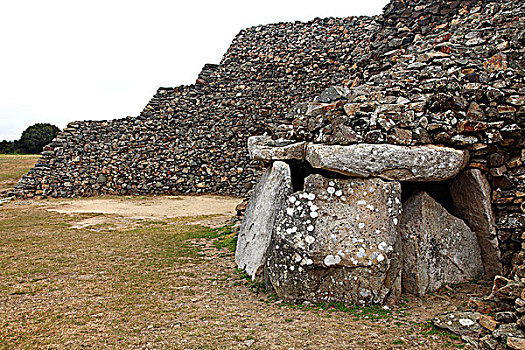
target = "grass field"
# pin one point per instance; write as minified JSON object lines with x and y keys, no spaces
{"x":12,"y":167}
{"x":124,"y":283}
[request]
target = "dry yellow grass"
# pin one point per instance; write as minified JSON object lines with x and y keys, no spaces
{"x":12,"y":167}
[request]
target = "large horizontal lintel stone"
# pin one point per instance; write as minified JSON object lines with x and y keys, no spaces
{"x":268,"y":150}
{"x":391,"y":162}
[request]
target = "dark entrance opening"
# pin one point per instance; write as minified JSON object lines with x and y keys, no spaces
{"x":439,"y":191}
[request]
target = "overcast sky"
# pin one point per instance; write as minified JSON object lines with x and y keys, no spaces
{"x":64,"y":60}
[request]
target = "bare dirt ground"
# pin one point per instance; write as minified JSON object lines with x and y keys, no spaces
{"x":219,"y":208}
{"x":132,"y":273}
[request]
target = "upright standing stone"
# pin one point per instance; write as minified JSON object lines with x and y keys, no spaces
{"x":256,"y":228}
{"x":438,"y":248}
{"x":337,"y":241}
{"x":470,"y":192}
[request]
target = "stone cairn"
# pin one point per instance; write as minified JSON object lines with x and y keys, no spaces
{"x":407,"y":178}
{"x":436,"y":78}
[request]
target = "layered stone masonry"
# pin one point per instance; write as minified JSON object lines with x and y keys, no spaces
{"x":192,"y":139}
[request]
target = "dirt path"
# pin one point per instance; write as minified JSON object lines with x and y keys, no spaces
{"x":126,"y":210}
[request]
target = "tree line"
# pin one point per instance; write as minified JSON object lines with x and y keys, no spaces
{"x":32,"y":141}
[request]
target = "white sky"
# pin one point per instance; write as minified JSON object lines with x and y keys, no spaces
{"x":67,"y":60}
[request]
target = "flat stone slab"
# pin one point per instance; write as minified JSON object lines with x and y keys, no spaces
{"x":438,"y":248}
{"x":471,"y":193}
{"x":391,"y":162}
{"x":265,"y":149}
{"x":337,"y":241}
{"x":256,"y":228}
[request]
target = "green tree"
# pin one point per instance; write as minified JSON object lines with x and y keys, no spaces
{"x":35,"y":137}
{"x":7,"y":147}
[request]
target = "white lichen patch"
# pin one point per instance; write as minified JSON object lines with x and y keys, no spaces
{"x":291,"y":230}
{"x":361,"y":253}
{"x":361,"y":225}
{"x":330,"y":190}
{"x":292,"y":199}
{"x":310,"y":228}
{"x":330,"y":260}
{"x":465,"y":322}
{"x":314,"y":214}
{"x":309,"y":239}
{"x":307,"y":261}
{"x":338,"y":193}
{"x":361,"y":202}
{"x":290,"y":211}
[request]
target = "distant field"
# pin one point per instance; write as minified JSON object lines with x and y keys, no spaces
{"x":13,"y":166}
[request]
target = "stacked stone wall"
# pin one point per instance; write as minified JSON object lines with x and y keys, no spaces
{"x":192,"y":139}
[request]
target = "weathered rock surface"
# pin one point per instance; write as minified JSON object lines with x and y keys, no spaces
{"x":256,"y":229}
{"x":337,"y":241}
{"x":471,"y":196}
{"x":265,"y":149}
{"x":438,"y":248}
{"x":465,"y":324}
{"x":392,"y":162}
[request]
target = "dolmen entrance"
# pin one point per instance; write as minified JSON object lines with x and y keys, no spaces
{"x":361,"y":223}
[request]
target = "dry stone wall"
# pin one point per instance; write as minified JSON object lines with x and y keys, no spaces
{"x":192,"y":139}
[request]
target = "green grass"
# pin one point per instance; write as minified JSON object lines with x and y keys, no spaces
{"x":226,"y":238}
